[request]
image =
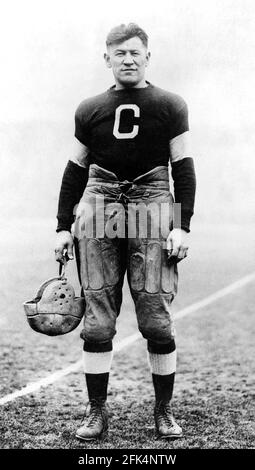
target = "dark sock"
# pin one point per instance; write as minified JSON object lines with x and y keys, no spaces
{"x":163,"y":386}
{"x":97,"y":386}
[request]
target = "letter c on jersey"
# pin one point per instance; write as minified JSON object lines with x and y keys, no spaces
{"x":125,"y":135}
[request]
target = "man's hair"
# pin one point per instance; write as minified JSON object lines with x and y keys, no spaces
{"x":124,"y":32}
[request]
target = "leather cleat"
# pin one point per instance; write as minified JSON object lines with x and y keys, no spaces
{"x":95,"y":423}
{"x":166,"y":425}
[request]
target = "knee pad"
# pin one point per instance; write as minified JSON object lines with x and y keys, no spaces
{"x":102,"y":307}
{"x":101,"y":276}
{"x":155,"y":320}
{"x":97,"y":334}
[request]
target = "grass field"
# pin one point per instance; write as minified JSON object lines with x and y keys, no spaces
{"x":214,"y":392}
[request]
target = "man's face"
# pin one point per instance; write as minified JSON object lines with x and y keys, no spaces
{"x":128,"y":61}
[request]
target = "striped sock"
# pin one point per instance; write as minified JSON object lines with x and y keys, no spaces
{"x":97,"y":360}
{"x":162,"y":360}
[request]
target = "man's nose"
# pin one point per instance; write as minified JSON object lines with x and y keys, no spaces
{"x":128,"y":59}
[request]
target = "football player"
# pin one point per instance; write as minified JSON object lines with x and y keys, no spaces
{"x":126,"y":137}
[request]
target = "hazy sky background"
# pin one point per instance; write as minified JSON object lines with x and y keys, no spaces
{"x":51,"y":59}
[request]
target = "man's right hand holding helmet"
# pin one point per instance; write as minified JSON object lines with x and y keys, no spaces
{"x":64,"y":246}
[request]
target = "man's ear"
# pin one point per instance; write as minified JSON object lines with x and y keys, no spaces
{"x":107,"y":60}
{"x":148,"y":56}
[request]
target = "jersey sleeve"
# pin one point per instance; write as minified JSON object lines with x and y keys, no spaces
{"x":80,"y":154}
{"x":81,"y":118}
{"x":73,"y":184}
{"x":180,"y":121}
{"x":183,"y":171}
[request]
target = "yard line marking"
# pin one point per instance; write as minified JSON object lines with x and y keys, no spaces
{"x":33,"y":387}
{"x":217,"y":295}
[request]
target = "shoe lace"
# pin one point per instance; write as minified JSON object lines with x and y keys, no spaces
{"x":95,"y":412}
{"x":164,"y":412}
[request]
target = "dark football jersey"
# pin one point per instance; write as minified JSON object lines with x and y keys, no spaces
{"x":128,"y":131}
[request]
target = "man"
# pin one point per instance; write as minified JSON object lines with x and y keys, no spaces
{"x":126,"y":137}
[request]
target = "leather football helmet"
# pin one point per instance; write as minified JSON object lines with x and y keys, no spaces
{"x":55,"y":310}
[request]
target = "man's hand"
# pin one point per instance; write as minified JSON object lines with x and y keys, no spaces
{"x":64,"y":245}
{"x":177,"y":244}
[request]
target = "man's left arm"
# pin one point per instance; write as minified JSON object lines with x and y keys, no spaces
{"x":184,"y":178}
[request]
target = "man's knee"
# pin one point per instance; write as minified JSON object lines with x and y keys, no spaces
{"x":155,"y":320}
{"x":102,"y":309}
{"x":157,"y":330}
{"x":97,"y":333}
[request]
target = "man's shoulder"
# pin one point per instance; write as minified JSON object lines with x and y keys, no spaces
{"x":89,"y":104}
{"x":171,"y":99}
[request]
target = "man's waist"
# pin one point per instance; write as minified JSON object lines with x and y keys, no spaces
{"x":156,"y":176}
